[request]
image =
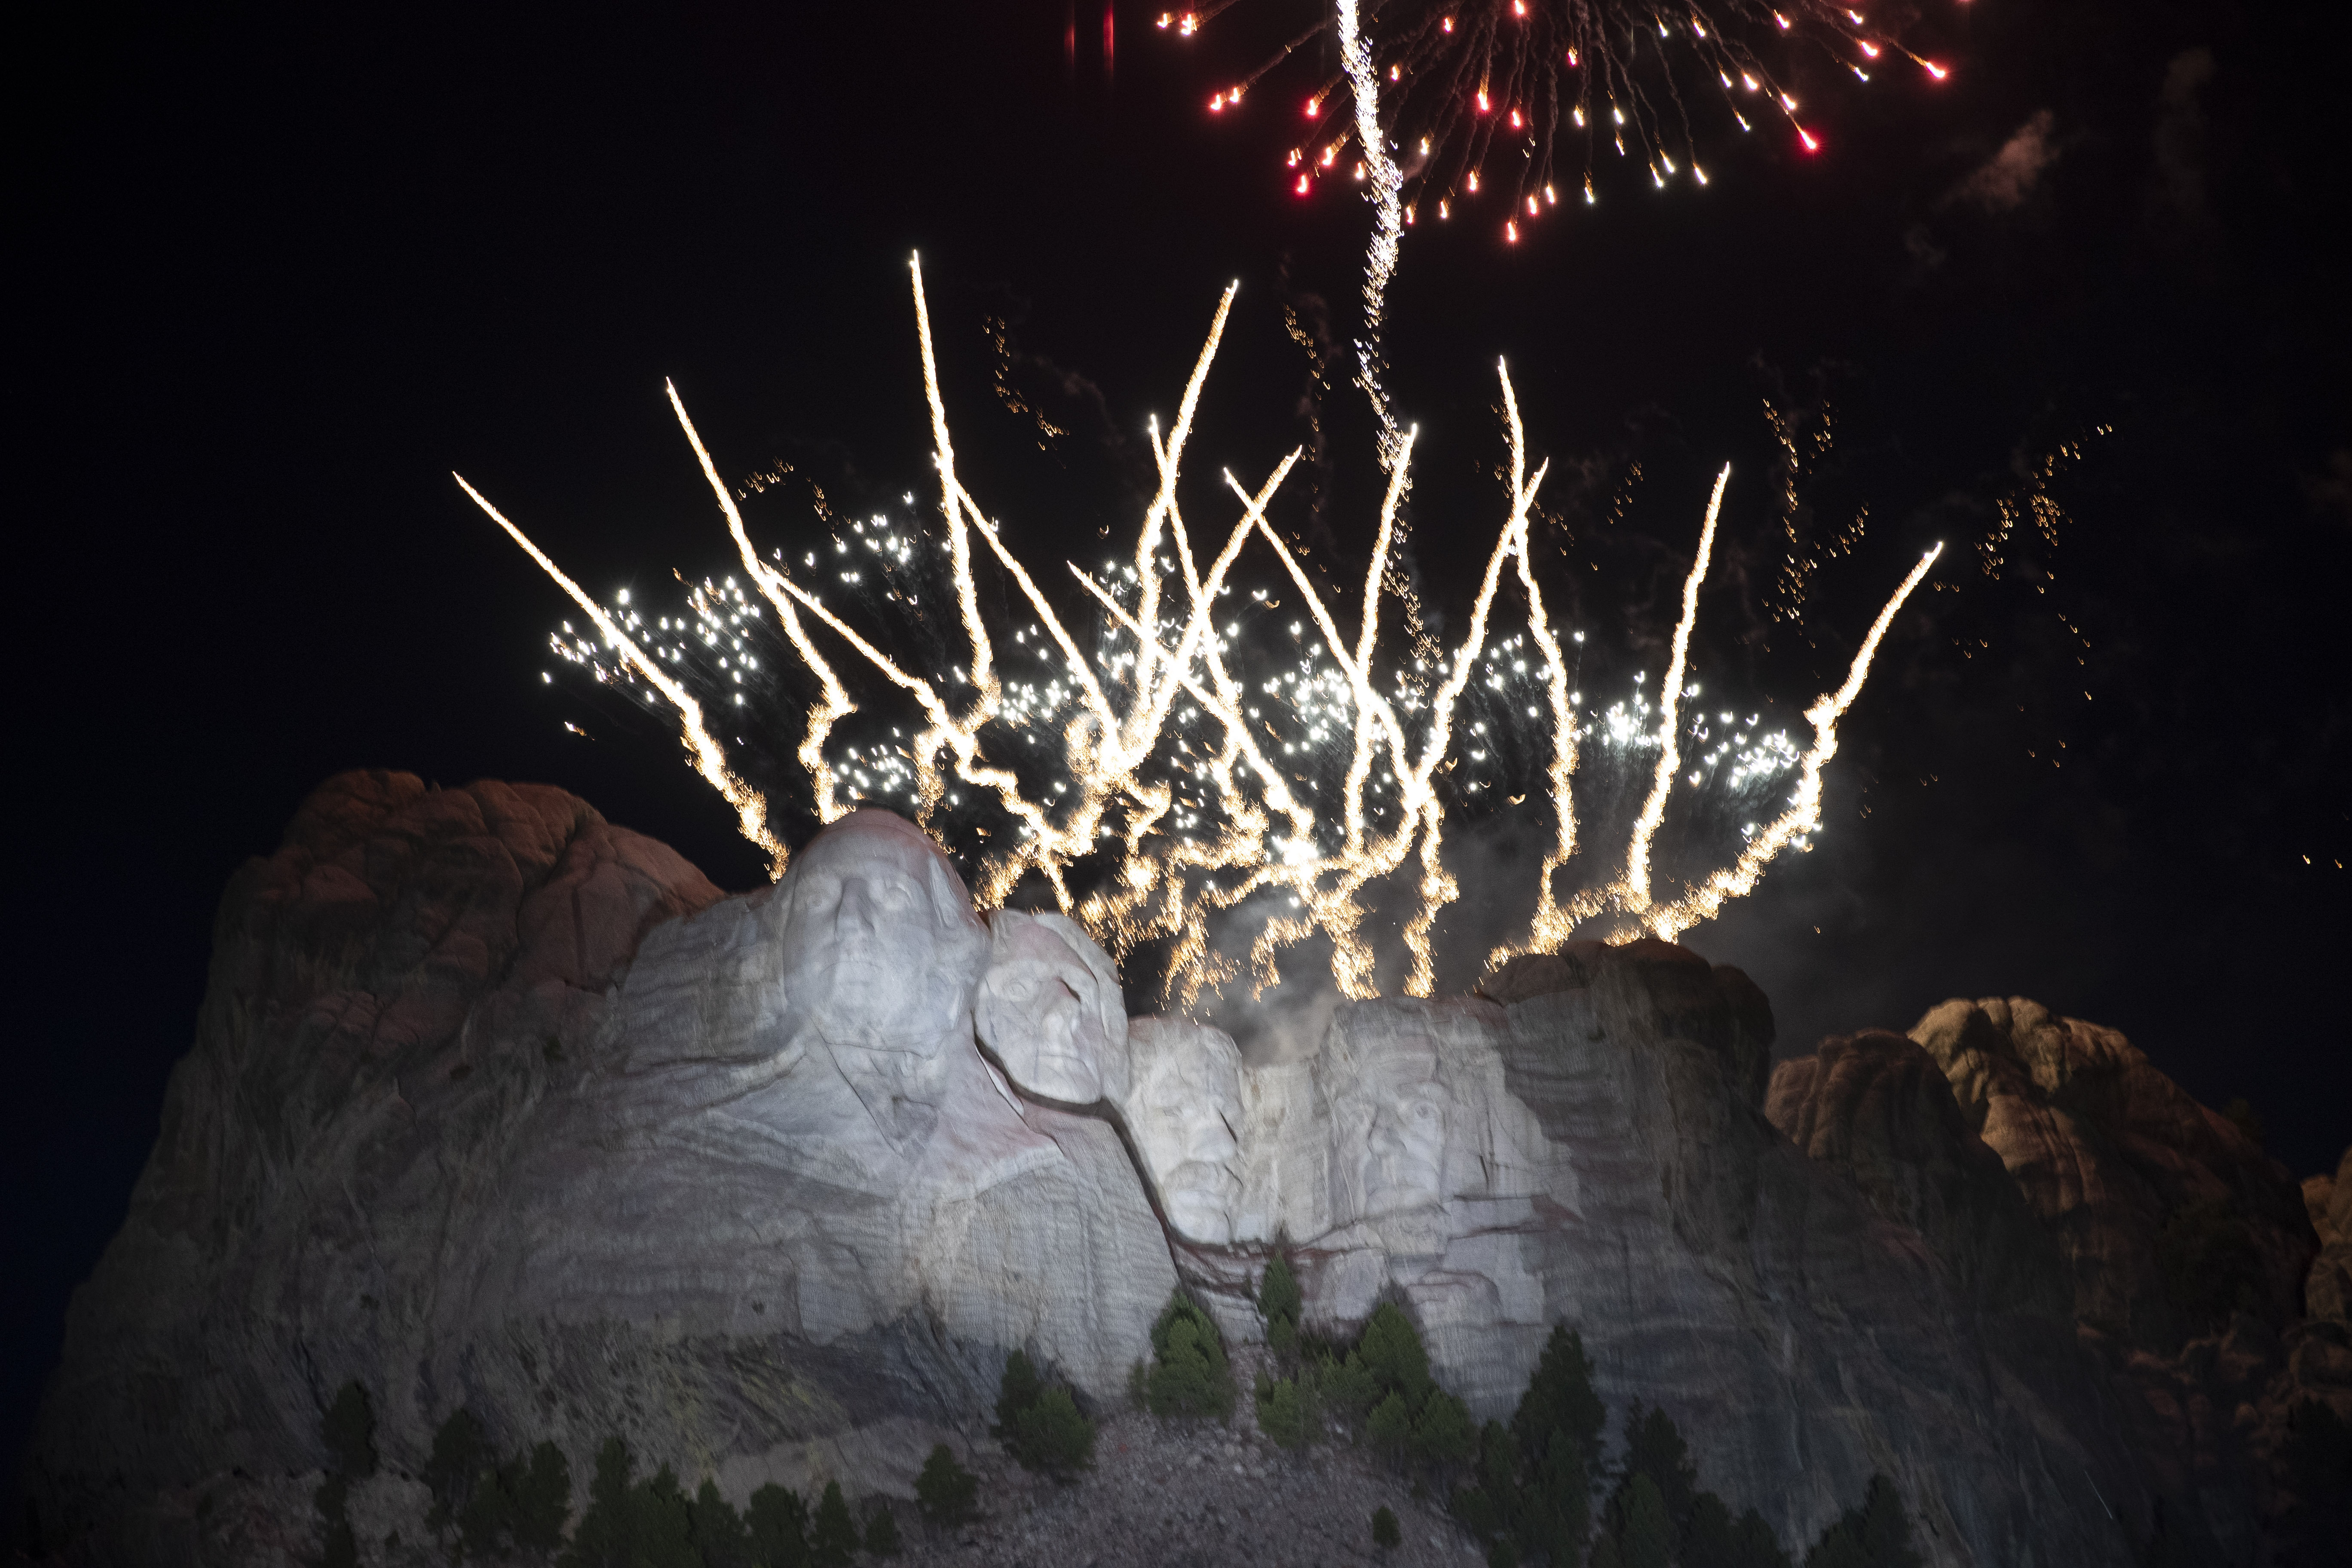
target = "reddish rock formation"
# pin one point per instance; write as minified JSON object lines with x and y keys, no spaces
{"x":2167,"y":1215}
{"x":1876,"y":1106}
{"x":2328,"y":1290}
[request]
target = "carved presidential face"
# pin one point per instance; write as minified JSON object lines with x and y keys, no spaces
{"x":1182,"y":1111}
{"x":1400,"y":1109}
{"x":1050,"y":1008}
{"x":880,"y":947}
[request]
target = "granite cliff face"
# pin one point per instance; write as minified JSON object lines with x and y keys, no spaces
{"x":1876,"y":1107}
{"x":2327,"y":1292}
{"x":2069,"y":1186}
{"x":494,"y":1104}
{"x":2108,"y":1151}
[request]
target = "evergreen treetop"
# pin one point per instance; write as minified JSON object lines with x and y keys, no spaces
{"x":350,"y":1432}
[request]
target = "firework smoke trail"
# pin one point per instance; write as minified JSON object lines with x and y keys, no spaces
{"x":1138,"y":730}
{"x":709,"y":761}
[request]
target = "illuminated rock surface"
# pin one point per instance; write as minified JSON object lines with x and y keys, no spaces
{"x":492,"y":1103}
{"x":1877,"y":1107}
{"x":2106,"y":1150}
{"x":2328,"y":1201}
{"x":441,"y":1134}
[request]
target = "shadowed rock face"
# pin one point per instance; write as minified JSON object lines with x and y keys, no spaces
{"x":2100,"y":1199}
{"x":2327,"y":1199}
{"x":1876,"y":1106}
{"x":2109,"y":1153}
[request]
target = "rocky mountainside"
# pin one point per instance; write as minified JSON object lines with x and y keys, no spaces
{"x":493,"y":1104}
{"x":2067,"y":1183}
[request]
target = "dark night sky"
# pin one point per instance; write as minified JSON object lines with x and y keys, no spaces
{"x":280,"y":275}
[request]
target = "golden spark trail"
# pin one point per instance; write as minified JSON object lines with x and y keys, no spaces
{"x":1804,"y":812}
{"x":1159,"y":789}
{"x":750,"y":807}
{"x":835,"y":704}
{"x":1550,"y":924}
{"x":1654,"y":810}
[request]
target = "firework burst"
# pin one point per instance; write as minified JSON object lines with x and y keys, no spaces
{"x":1514,"y":103}
{"x":1183,"y":765}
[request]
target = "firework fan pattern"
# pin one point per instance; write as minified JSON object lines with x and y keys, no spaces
{"x":1186,"y":766}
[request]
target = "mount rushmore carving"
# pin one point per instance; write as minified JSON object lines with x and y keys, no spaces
{"x":494,"y":1104}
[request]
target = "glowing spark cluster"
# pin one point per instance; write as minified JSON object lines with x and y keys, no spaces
{"x":1201,"y":763}
{"x":1489,"y":87}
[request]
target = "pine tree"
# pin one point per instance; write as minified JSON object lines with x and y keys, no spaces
{"x":1753,"y":1544}
{"x":882,"y":1533}
{"x":834,"y":1538}
{"x":1489,"y":1507}
{"x":1392,"y":1352}
{"x":1385,"y":1534}
{"x":1882,"y":1530}
{"x":331,"y":1499}
{"x":1555,"y":1504}
{"x":1279,"y":1301}
{"x":778,"y":1524}
{"x":1837,"y":1547}
{"x":1645,"y":1539}
{"x":1051,"y":1435}
{"x":1559,"y":1398}
{"x":718,"y":1531}
{"x":1284,"y":1412}
{"x":1653,"y":1447}
{"x":945,"y":1490}
{"x":351,"y":1432}
{"x":1018,"y":1390}
{"x":1707,"y":1534}
{"x":1189,"y":1373}
{"x":604,"y":1537}
{"x":1390,"y":1428}
{"x":543,"y":1500}
{"x":662,"y":1519}
{"x":1442,"y":1435}
{"x":1352,"y":1386}
{"x":487,"y":1519}
{"x":461,"y":1450}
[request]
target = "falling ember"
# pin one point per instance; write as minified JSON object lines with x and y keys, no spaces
{"x":1511,"y":231}
{"x":1169,"y":774}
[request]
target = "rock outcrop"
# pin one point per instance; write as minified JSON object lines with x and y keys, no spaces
{"x":1585,"y":1142}
{"x":492,"y":1104}
{"x":2327,"y":1199}
{"x":1877,"y":1107}
{"x":2060,"y":1178}
{"x":2167,"y":1215}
